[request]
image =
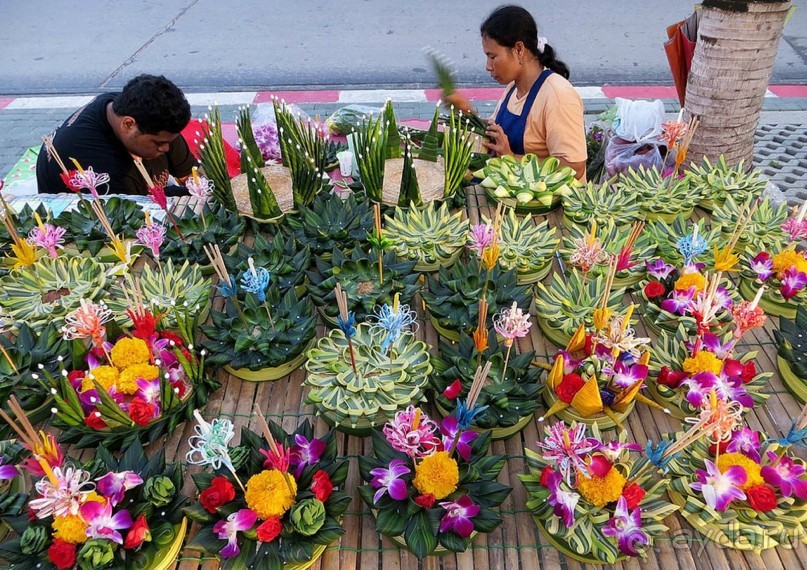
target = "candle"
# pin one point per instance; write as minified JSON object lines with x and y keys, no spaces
{"x":416,"y":420}
{"x":195,"y":171}
{"x":39,"y":222}
{"x":757,"y":297}
{"x":695,"y":233}
{"x":252,"y":267}
{"x":680,"y":114}
{"x":78,"y":166}
{"x":802,"y":211}
{"x":626,"y":321}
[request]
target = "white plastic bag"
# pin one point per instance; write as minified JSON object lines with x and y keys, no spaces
{"x":621,"y":155}
{"x":638,"y":120}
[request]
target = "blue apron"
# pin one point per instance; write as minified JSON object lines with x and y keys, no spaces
{"x":514,"y":125}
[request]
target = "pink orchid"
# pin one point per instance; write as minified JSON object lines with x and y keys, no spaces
{"x":626,"y":527}
{"x":389,"y":481}
{"x":625,"y":376}
{"x":404,"y":437}
{"x":449,"y":429}
{"x":720,"y":489}
{"x":659,"y":269}
{"x":793,"y":281}
{"x":305,"y":452}
{"x":512,"y":323}
{"x":149,"y":390}
{"x":797,"y":230}
{"x":614,"y":449}
{"x":480,"y":238}
{"x":228,"y":530}
{"x":89,"y":179}
{"x":787,"y":475}
{"x":762,"y":265}
{"x":151,"y":236}
{"x":746,"y":441}
{"x":458,"y":516}
{"x":114,"y":485}
{"x":48,"y":237}
{"x":564,"y":502}
{"x":680,"y":301}
{"x":102,"y":523}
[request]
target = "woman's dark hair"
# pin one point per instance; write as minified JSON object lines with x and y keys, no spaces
{"x":154,"y":103}
{"x":509,"y":24}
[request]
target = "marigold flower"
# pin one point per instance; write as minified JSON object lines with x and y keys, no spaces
{"x":269,"y":495}
{"x":602,"y":490}
{"x":437,"y":474}
{"x":130,"y":351}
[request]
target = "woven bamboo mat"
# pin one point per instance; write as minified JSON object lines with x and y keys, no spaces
{"x":517,"y":543}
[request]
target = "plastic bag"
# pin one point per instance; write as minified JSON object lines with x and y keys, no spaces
{"x":349,"y":117}
{"x":621,"y":154}
{"x":638,"y":120}
{"x":264,"y":129}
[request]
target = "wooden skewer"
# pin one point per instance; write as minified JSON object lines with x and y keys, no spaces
{"x":479,"y":381}
{"x":48,"y":141}
{"x":9,"y":359}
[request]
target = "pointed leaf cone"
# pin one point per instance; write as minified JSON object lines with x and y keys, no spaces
{"x":556,"y":374}
{"x":588,"y":401}
{"x":645,"y":358}
{"x":647,"y":401}
{"x":601,"y":316}
{"x":610,"y":413}
{"x":558,"y":406}
{"x":622,"y":401}
{"x":578,"y":340}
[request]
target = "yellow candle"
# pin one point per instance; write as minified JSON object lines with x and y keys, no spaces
{"x":39,"y":222}
{"x":78,"y":166}
{"x":195,"y":171}
{"x":416,"y":420}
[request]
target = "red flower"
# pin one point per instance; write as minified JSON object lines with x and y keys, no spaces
{"x":67,"y":177}
{"x":749,"y":371}
{"x":546,"y":473}
{"x":569,"y":386}
{"x":654,"y":289}
{"x":62,"y":554}
{"x":453,"y":389}
{"x":145,"y":323}
{"x":321,"y":485}
{"x":220,"y":492}
{"x":180,"y":385}
{"x":670,"y":378}
{"x":588,"y":349}
{"x":169,"y":336}
{"x":269,"y":529}
{"x":76,"y":376}
{"x":425,"y":501}
{"x":138,"y":533}
{"x":633,"y":494}
{"x":142,"y":412}
{"x":94,"y":421}
{"x":761,"y":498}
{"x":732,"y":367}
{"x":723,"y":446}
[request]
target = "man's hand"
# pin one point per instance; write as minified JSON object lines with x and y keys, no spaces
{"x":499,"y":143}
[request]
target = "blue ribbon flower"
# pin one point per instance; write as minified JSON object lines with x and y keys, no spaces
{"x":256,"y":282}
{"x":466,"y":416}
{"x":794,"y":437}
{"x":227,"y":289}
{"x":656,"y":453}
{"x":691,"y":246}
{"x":349,"y":327}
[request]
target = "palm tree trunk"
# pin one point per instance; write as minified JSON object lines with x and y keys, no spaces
{"x":731,"y":68}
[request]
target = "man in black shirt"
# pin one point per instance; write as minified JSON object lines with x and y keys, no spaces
{"x":144,"y":120}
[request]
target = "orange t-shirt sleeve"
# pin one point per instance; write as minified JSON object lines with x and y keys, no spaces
{"x":565,"y":129}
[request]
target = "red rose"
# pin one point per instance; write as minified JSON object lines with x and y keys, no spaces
{"x":569,"y":386}
{"x":588,"y":348}
{"x":94,"y":421}
{"x":220,"y":492}
{"x":670,"y":378}
{"x":142,"y":412}
{"x":761,"y":498}
{"x":62,"y":554}
{"x":546,"y":473}
{"x":76,"y":376}
{"x":749,"y":371}
{"x":169,"y":336}
{"x":425,"y":501}
{"x":633,"y":494}
{"x":179,"y":385}
{"x":269,"y":529}
{"x":322,"y":486}
{"x":453,"y":389}
{"x":138,"y":533}
{"x":654,"y":289}
{"x":732,"y":367}
{"x":723,"y":446}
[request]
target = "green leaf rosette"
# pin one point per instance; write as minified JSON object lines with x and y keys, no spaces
{"x":526,"y":245}
{"x":762,"y":233}
{"x":215,"y":226}
{"x":791,"y":358}
{"x":431,"y":236}
{"x":332,"y":223}
{"x":659,"y":197}
{"x":88,"y":236}
{"x":599,"y":203}
{"x":716,"y":182}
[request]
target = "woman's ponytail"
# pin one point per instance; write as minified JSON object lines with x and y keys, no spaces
{"x":547,"y":58}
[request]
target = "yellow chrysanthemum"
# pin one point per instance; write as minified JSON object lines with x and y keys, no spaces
{"x":753,"y":470}
{"x":688,"y":280}
{"x":70,"y":528}
{"x":787,"y":259}
{"x":93,"y":497}
{"x":129,"y":351}
{"x":704,"y":361}
{"x":127,"y":382}
{"x":437,"y":474}
{"x":268,"y":493}
{"x":106,"y":376}
{"x":602,"y":490}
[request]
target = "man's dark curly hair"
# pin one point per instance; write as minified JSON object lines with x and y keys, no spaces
{"x":154,"y":103}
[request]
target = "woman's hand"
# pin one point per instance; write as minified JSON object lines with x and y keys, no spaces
{"x":499,"y":143}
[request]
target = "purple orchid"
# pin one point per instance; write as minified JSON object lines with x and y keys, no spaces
{"x":762,"y":265}
{"x":149,"y":390}
{"x":569,"y":363}
{"x":613,"y":449}
{"x":604,"y":353}
{"x":720,"y":489}
{"x":458,"y":516}
{"x":699,"y":387}
{"x":228,"y":530}
{"x":722,"y":299}
{"x":625,"y":377}
{"x":787,"y":475}
{"x":626,"y":527}
{"x":564,"y":502}
{"x":389,"y":481}
{"x":102,"y":523}
{"x":732,"y":389}
{"x":712,"y":343}
{"x":89,"y":399}
{"x":568,"y":449}
{"x":658,"y":269}
{"x":793,"y":281}
{"x":7,"y":471}
{"x":746,"y":441}
{"x":679,"y":302}
{"x":114,"y":485}
{"x":449,"y":429}
{"x":304,"y":452}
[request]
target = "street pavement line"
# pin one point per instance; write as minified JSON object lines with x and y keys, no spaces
{"x":72,"y":102}
{"x":223,"y":98}
{"x":381,"y":95}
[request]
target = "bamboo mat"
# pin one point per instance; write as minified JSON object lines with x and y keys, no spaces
{"x":517,"y":543}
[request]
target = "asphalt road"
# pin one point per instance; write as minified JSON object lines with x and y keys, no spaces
{"x":65,"y":47}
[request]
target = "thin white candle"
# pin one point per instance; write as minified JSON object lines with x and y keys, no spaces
{"x":758,"y":296}
{"x":802,"y":211}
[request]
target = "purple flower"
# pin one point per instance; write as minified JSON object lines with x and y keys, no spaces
{"x":569,"y":363}
{"x":762,"y":265}
{"x":720,"y":489}
{"x":458,"y":516}
{"x":745,"y":441}
{"x":7,"y":471}
{"x":228,"y":530}
{"x":114,"y":485}
{"x":568,"y":449}
{"x":267,"y":140}
{"x":389,"y":481}
{"x":711,"y":342}
{"x":449,"y":429}
{"x":48,"y":237}
{"x":793,"y":281}
{"x":626,"y":527}
{"x":658,"y":269}
{"x":732,"y":389}
{"x":564,"y":502}
{"x":787,"y":475}
{"x":722,"y":298}
{"x":480,"y":237}
{"x":304,"y":452}
{"x":698,"y":388}
{"x":149,"y":390}
{"x":795,"y":228}
{"x":679,"y":302}
{"x":102,"y":523}
{"x":89,"y":399}
{"x":625,"y":377}
{"x":613,"y":449}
